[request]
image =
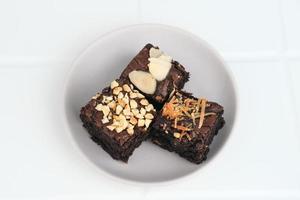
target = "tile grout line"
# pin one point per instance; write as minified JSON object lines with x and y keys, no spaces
{"x":284,"y":59}
{"x":33,"y":61}
{"x":264,"y":56}
{"x":283,"y":39}
{"x":229,"y":57}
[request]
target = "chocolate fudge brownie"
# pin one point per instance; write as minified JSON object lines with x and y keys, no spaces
{"x":155,"y":74}
{"x":118,"y":119}
{"x":187,"y":125}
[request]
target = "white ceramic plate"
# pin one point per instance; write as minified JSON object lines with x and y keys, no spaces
{"x":104,"y":60}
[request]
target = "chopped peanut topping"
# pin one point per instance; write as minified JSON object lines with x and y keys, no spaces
{"x":125,"y":109}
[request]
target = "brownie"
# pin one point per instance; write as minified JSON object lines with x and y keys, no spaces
{"x":118,"y":119}
{"x":155,"y":74}
{"x":187,"y":126}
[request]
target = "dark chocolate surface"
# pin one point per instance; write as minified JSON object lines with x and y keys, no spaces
{"x":176,"y":77}
{"x":119,"y":145}
{"x":196,"y":147}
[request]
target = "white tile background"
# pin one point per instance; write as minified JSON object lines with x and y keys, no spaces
{"x":259,"y":39}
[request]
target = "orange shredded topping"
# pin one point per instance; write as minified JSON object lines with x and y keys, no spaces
{"x":183,"y":128}
{"x":203,"y":102}
{"x":178,"y":109}
{"x":169,"y":111}
{"x":193,"y":118}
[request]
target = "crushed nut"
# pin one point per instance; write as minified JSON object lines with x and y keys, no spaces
{"x":177,"y":135}
{"x":133,"y":104}
{"x":111,"y":127}
{"x":105,"y":109}
{"x":116,"y":121}
{"x":126,"y":88}
{"x":135,"y":112}
{"x":119,"y":129}
{"x":139,"y":95}
{"x":99,"y":107}
{"x":112,"y":105}
{"x":130,"y":131}
{"x":149,"y":108}
{"x":106,"y":99}
{"x":122,"y":111}
{"x":144,"y":102}
{"x":119,"y":109}
{"x":126,"y":99}
{"x":114,"y":84}
{"x":105,"y":120}
{"x":133,"y":95}
{"x":133,"y":120}
{"x":109,"y":98}
{"x":122,"y":123}
{"x":147,"y":122}
{"x":139,"y":116}
{"x":126,"y":110}
{"x":117,"y":90}
{"x":149,"y":116}
{"x":120,"y":95}
{"x":130,"y":126}
{"x":143,"y":111}
{"x":121,"y":102}
{"x":141,"y":122}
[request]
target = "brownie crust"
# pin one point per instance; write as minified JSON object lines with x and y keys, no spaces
{"x":195,"y":151}
{"x":120,"y":144}
{"x":112,"y":147}
{"x":195,"y":147}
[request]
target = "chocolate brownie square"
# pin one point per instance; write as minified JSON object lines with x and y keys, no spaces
{"x":118,"y":119}
{"x":155,"y":74}
{"x":187,"y":126}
